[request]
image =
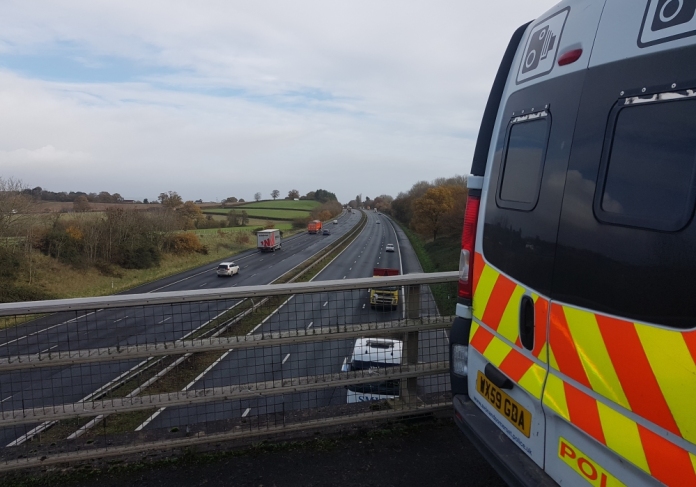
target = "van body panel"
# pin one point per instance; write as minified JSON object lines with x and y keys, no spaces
{"x":626,"y":29}
{"x":582,"y":309}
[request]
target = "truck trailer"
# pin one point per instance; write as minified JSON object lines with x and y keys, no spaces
{"x":314,"y":226}
{"x":268,"y":240}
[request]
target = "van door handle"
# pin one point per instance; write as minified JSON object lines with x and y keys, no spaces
{"x":527,"y":322}
{"x":498,"y":379}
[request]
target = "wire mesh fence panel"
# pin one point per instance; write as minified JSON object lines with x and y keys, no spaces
{"x":114,"y":375}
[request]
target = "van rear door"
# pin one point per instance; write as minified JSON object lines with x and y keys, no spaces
{"x":518,"y":224}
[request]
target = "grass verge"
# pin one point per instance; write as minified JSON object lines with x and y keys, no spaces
{"x":439,"y":255}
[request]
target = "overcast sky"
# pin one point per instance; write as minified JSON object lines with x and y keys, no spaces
{"x":226,"y":98}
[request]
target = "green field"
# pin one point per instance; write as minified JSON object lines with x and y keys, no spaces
{"x":305,"y":205}
{"x":270,"y":214}
{"x":283,"y":226}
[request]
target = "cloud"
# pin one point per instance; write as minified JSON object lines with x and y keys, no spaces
{"x":218,"y":98}
{"x":43,"y":158}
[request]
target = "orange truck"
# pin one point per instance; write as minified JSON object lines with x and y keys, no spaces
{"x":314,"y":226}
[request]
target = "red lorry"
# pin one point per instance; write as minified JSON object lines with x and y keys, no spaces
{"x":314,"y":226}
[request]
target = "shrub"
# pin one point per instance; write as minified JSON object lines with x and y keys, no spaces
{"x":184,"y":243}
{"x":144,"y":256}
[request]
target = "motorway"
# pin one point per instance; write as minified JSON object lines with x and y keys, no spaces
{"x":131,"y":326}
{"x":304,"y":312}
{"x":148,"y":324}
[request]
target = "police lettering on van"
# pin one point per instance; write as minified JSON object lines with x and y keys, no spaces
{"x":573,"y":353}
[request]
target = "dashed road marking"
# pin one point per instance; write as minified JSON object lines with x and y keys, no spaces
{"x":286,"y":358}
{"x":310,"y":325}
{"x":244,"y":414}
{"x":121,"y":319}
{"x":166,"y":319}
{"x":325,"y":304}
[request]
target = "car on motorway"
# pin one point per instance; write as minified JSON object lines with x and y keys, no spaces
{"x":335,"y":222}
{"x":378,"y":222}
{"x":389,"y":248}
{"x":227,"y":269}
{"x":326,"y":231}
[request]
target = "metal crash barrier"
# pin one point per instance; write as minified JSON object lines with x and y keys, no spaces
{"x":96,"y":377}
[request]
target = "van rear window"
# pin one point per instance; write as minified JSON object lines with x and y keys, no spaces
{"x":647,"y":176}
{"x":524,"y":161}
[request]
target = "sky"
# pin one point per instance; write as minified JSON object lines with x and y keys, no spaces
{"x":214,"y":99}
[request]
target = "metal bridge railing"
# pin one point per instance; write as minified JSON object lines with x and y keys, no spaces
{"x":94,"y":377}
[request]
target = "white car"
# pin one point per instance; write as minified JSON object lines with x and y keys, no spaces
{"x":227,"y":269}
{"x":389,"y":248}
{"x":335,"y":222}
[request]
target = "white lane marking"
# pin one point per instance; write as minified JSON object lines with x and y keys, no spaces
{"x":166,"y":319}
{"x":286,"y":359}
{"x":204,"y":284}
{"x":260,"y":260}
{"x":253,"y":275}
{"x":325,"y":304}
{"x":46,"y":329}
{"x":350,"y":269}
{"x":344,"y":277}
{"x":233,"y":285}
{"x":188,"y":386}
{"x":7,"y":398}
{"x":310,"y":325}
{"x":245,"y":266}
{"x":48,"y":349}
{"x":244,"y":414}
{"x":363,"y":306}
{"x":121,"y":319}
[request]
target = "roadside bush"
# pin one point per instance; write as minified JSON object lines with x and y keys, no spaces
{"x":257,"y":230}
{"x":9,"y":265}
{"x":64,"y":245}
{"x":144,"y":256}
{"x":242,"y":238}
{"x":184,"y":243}
{"x":299,"y":223}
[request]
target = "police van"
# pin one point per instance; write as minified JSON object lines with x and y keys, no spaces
{"x":573,"y":350}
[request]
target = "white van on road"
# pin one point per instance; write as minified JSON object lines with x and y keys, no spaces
{"x":373,"y":354}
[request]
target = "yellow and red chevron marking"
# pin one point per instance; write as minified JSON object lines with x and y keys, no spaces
{"x":645,"y":369}
{"x":521,"y":369}
{"x":652,"y":453}
{"x":497,"y":304}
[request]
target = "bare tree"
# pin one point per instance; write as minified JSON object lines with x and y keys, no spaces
{"x":15,"y":207}
{"x":170,"y":199}
{"x":257,"y":196}
{"x":275,"y":193}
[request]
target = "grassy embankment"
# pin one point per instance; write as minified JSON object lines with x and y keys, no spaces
{"x":439,"y":255}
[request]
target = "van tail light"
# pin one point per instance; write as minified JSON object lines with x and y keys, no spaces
{"x":466,"y":259}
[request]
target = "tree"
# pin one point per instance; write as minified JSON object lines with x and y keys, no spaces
{"x":293,"y":193}
{"x":15,"y":207}
{"x":244,"y":218}
{"x":275,"y":193}
{"x":429,"y":209}
{"x":81,"y":204}
{"x":231,"y":199}
{"x":145,"y":201}
{"x":170,"y":200}
{"x":257,"y":196}
{"x":190,"y":213}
